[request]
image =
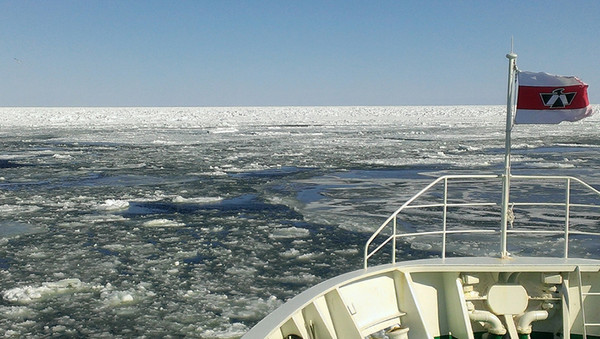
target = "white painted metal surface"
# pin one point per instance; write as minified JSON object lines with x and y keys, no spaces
{"x":432,"y":298}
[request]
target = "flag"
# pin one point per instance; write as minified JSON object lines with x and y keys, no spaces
{"x":550,"y":99}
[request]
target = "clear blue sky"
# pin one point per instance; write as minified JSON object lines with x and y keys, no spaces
{"x":272,"y":53}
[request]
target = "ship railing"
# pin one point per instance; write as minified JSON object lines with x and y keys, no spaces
{"x":444,"y":205}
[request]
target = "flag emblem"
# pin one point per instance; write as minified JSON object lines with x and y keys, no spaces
{"x":545,"y":98}
{"x":557,"y":99}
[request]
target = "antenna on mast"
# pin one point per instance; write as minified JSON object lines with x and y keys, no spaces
{"x":511,"y":44}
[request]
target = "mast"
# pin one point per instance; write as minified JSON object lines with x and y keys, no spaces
{"x":512,"y":70}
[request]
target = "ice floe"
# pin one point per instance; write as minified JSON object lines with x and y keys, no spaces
{"x":28,"y":294}
{"x":163,"y":223}
{"x":114,"y":205}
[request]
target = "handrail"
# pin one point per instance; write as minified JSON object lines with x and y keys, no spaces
{"x":392,"y":220}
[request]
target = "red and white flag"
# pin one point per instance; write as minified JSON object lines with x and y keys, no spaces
{"x":550,"y":99}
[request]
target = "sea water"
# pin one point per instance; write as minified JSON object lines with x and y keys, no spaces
{"x":158,"y":222}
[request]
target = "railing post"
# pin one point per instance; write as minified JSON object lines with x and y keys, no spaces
{"x":445,"y":218}
{"x":567,"y":213}
{"x":394,"y":241}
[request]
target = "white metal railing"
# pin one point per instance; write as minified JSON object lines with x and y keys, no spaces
{"x":392,"y":221}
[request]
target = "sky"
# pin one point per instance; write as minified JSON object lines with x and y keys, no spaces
{"x":287,"y":53}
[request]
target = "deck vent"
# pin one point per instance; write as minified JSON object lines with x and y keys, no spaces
{"x":507,"y":299}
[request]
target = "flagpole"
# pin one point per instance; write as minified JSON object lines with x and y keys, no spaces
{"x":506,"y":176}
